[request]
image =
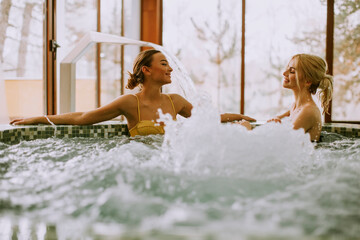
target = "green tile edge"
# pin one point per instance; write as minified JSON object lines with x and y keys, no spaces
{"x":15,"y":135}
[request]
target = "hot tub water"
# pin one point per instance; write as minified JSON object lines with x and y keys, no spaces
{"x":202,"y":180}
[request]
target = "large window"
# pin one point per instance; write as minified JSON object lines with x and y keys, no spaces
{"x":75,"y":19}
{"x":275,"y":31}
{"x":101,"y":72}
{"x":346,"y":102}
{"x":208,"y":44}
{"x":21,"y":57}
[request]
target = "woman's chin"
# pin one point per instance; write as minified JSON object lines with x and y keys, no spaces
{"x":285,"y":85}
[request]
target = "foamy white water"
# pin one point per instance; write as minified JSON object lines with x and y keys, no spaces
{"x":201,"y":180}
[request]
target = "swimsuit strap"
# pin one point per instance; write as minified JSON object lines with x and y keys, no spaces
{"x":171,"y":103}
{"x":138,"y":106}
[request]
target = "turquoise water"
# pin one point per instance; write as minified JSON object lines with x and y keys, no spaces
{"x":202,"y":180}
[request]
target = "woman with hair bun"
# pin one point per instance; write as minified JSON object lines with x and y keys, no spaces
{"x":305,"y":74}
{"x":151,"y":71}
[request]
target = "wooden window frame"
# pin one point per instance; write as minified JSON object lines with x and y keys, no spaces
{"x":50,"y":95}
{"x":151,"y":12}
{"x":97,"y":56}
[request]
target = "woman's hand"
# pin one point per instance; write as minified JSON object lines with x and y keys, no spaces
{"x":278,"y":118}
{"x":247,"y":118}
{"x":275,"y":119}
{"x":245,"y":124}
{"x":26,"y":121}
{"x":230,"y":117}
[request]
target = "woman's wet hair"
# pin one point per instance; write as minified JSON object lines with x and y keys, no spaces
{"x":144,"y":58}
{"x":314,"y":69}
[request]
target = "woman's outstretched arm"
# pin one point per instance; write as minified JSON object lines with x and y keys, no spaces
{"x":100,"y":114}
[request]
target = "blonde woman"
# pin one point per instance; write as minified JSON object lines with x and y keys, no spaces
{"x":305,"y":74}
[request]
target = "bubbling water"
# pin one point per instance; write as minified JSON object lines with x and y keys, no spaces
{"x":202,"y":179}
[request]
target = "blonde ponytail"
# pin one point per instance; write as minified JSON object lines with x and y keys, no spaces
{"x":326,"y":92}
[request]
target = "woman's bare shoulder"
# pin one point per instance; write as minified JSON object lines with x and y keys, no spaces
{"x":310,"y":110}
{"x":176,"y":97}
{"x":311,"y":107}
{"x":125,"y":102}
{"x":129,"y":98}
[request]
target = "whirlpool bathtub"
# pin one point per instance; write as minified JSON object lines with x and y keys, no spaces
{"x":215,"y":182}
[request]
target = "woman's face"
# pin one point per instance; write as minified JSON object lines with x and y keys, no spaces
{"x":290,"y":75}
{"x":160,"y":69}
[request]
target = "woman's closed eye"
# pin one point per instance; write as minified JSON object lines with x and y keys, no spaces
{"x":291,"y":70}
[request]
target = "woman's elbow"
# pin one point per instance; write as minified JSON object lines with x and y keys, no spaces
{"x":83,"y":119}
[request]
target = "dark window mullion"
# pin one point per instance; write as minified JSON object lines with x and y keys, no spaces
{"x":330,"y":47}
{"x":97,"y":57}
{"x":50,"y":58}
{"x":242,"y":74}
{"x":122,"y":33}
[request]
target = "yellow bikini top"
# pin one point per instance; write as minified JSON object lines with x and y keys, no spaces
{"x":147,"y":127}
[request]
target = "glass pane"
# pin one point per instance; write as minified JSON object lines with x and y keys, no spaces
{"x":75,"y":19}
{"x":275,"y":31}
{"x":208,"y":44}
{"x":346,"y":101}
{"x":132,"y":30}
{"x":21,"y":58}
{"x":110,"y":53}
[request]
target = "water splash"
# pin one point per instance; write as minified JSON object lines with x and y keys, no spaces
{"x":179,"y":75}
{"x":202,"y":178}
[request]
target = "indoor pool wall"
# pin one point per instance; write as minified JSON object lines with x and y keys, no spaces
{"x":13,"y":135}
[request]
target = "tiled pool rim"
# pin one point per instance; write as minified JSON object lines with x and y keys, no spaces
{"x":14,"y":134}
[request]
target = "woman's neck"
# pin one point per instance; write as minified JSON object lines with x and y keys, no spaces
{"x":302,"y":97}
{"x":151,"y":93}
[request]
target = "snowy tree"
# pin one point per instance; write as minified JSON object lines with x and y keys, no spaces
{"x":5,"y":6}
{"x":218,"y":37}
